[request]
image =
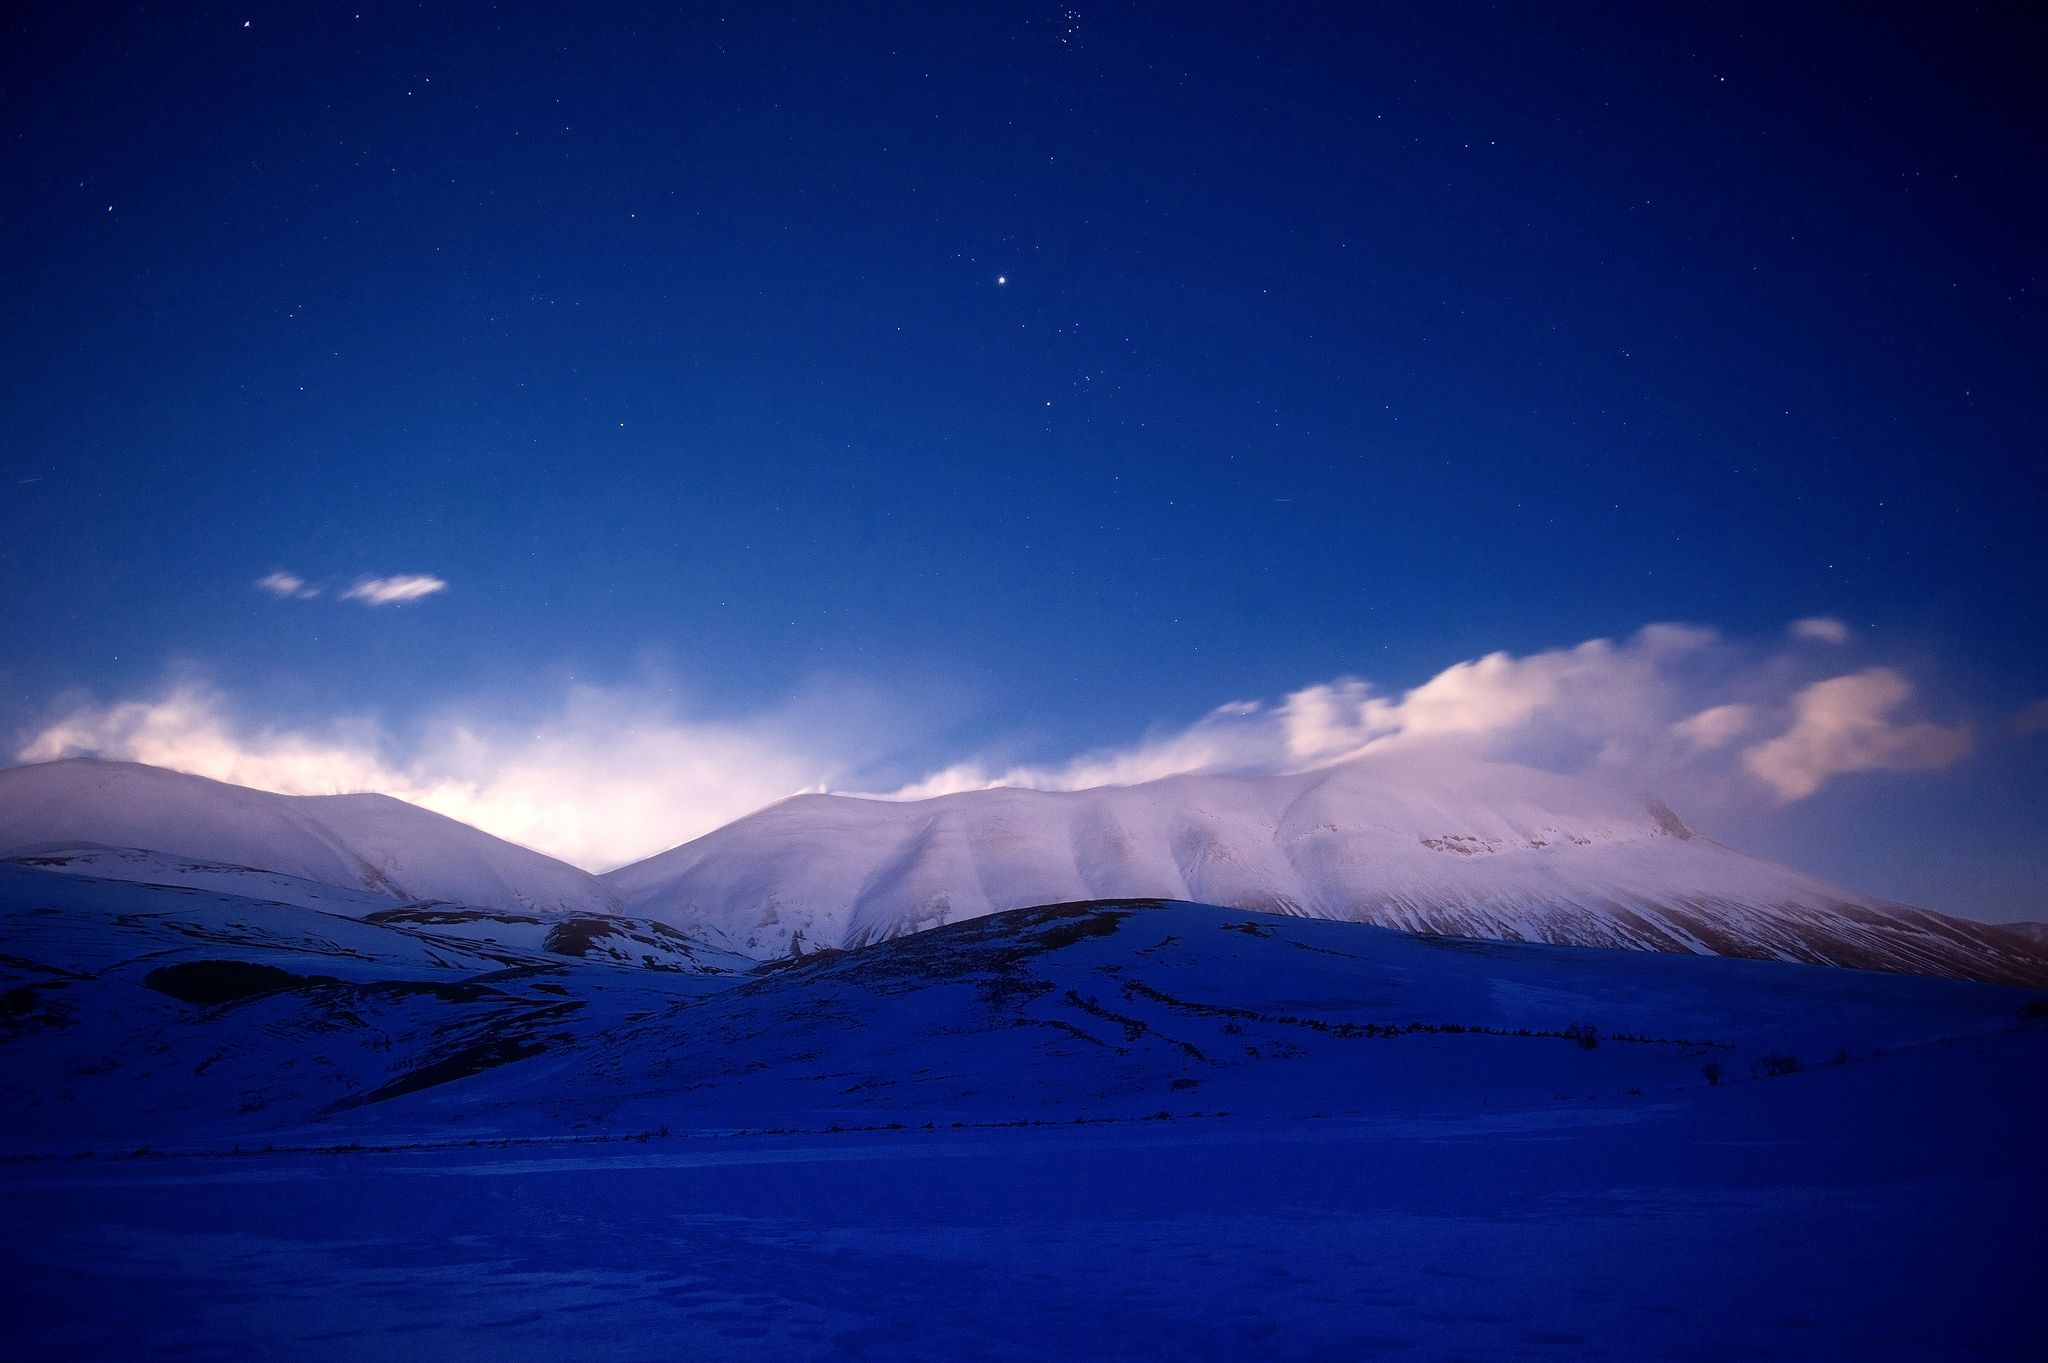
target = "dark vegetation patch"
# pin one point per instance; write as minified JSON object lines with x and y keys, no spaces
{"x":1134,"y":1029}
{"x":508,"y":1036}
{"x":577,"y":936}
{"x":464,"y":991}
{"x":23,"y":963}
{"x":1005,"y":990}
{"x":211,"y":982}
{"x":1060,"y":1025}
{"x":1471,"y":946}
{"x":1583,"y":1034}
{"x":995,"y":944}
{"x":443,"y":915}
{"x":33,"y":1007}
{"x":1102,"y":923}
{"x":460,"y":1064}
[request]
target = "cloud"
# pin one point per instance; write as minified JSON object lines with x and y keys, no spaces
{"x":2032,"y":720}
{"x":185,"y":730}
{"x":1717,"y":726}
{"x":600,"y":776}
{"x":1844,"y":724}
{"x":287,"y":586}
{"x":394,"y":591}
{"x":1819,"y":629}
{"x":1672,"y":708}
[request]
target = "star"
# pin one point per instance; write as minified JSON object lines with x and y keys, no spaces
{"x":1002,"y":279}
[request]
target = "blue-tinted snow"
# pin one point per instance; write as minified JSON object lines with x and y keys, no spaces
{"x":1372,"y":1145}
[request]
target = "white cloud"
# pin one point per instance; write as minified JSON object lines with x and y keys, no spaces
{"x":1717,"y":726}
{"x":1819,"y":629}
{"x":602,"y":776}
{"x":394,"y":591}
{"x":1844,"y":724}
{"x":1673,"y":708}
{"x":185,"y":729}
{"x":287,"y":586}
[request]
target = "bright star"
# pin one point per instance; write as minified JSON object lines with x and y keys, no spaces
{"x":1002,"y":279}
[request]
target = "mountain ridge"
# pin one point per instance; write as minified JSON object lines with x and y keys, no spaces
{"x":1422,"y":843}
{"x":1425,"y":844}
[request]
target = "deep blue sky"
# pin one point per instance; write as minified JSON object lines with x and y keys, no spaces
{"x":1329,"y":344}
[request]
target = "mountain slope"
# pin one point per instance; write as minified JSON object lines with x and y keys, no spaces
{"x":1451,"y":847}
{"x":1074,"y":1132}
{"x":370,"y":843}
{"x":166,"y":1016}
{"x":2034,"y":934}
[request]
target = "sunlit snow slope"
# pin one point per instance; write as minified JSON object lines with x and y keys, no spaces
{"x":368,"y":843}
{"x":1451,"y":847}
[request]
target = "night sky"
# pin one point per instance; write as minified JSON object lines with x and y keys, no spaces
{"x":913,"y":386}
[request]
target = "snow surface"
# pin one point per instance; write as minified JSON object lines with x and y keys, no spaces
{"x":1108,"y":1130}
{"x":144,"y":867}
{"x":1874,"y":1213}
{"x":1432,"y":845}
{"x":371,"y":843}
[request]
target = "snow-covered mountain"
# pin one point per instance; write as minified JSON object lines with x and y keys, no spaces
{"x":371,"y":844}
{"x":1431,"y":845}
{"x":1451,"y":847}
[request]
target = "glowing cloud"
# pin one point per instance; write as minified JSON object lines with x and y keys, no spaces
{"x":1844,"y":724}
{"x":1819,"y":629}
{"x":1671,"y":708}
{"x":604,"y":776}
{"x":287,"y":586}
{"x":394,"y":591}
{"x":1717,"y":726}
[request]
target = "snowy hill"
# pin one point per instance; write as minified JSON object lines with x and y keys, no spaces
{"x":1454,"y":847}
{"x":367,"y":843}
{"x":1041,"y":1133}
{"x":151,"y":1010}
{"x":157,"y":1015}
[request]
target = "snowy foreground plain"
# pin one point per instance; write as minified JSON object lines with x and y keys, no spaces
{"x":1123,"y":1130}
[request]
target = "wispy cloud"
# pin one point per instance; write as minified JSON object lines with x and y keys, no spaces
{"x":603,"y":776}
{"x":287,"y":586}
{"x":394,"y":591}
{"x":1819,"y":629}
